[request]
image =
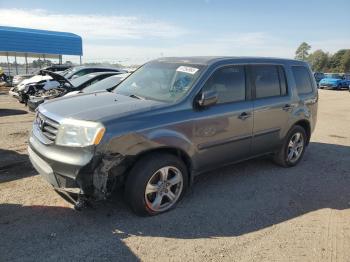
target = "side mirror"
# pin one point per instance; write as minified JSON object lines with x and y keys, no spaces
{"x":207,"y":98}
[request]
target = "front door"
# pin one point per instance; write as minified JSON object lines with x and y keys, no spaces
{"x":222,"y":133}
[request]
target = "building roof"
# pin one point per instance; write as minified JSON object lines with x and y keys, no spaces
{"x":34,"y":43}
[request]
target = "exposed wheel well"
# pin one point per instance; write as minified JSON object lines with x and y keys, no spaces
{"x":170,"y":150}
{"x":306,"y":125}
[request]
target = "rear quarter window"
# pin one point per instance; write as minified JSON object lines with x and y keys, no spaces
{"x":302,"y":79}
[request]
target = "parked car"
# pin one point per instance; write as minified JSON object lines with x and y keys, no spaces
{"x":334,"y":81}
{"x":108,"y":83}
{"x":4,"y":79}
{"x":78,"y":71}
{"x":170,"y":120}
{"x":53,"y":68}
{"x":71,"y":73}
{"x":318,"y":76}
{"x":38,"y":82}
{"x":37,"y":97}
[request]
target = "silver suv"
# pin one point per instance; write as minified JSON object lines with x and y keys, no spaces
{"x":169,"y":121}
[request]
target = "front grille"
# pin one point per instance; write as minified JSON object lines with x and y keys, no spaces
{"x":46,"y":128}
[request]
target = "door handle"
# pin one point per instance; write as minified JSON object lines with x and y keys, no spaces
{"x":287,"y":107}
{"x":244,"y":116}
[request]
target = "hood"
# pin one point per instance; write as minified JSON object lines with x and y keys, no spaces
{"x":330,"y":80}
{"x":58,"y":77}
{"x":32,"y":80}
{"x":99,"y":106}
{"x":72,"y":93}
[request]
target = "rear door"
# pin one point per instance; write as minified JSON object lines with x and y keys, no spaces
{"x":272,"y":106}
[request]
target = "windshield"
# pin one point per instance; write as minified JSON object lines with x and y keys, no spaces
{"x":72,"y":71}
{"x":162,"y":81}
{"x":337,"y":76}
{"x":104,"y":84}
{"x":67,"y":71}
{"x":76,"y":82}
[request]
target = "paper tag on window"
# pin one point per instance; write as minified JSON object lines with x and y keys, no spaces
{"x":187,"y":69}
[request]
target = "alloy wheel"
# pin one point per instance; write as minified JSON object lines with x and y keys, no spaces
{"x":164,"y":188}
{"x":295,"y":147}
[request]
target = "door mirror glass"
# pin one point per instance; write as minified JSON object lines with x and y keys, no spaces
{"x":207,"y":98}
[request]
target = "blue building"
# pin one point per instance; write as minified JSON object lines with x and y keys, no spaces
{"x":25,"y":42}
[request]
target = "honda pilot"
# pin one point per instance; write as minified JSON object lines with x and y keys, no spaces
{"x":170,"y":120}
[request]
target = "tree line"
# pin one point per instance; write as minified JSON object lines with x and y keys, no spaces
{"x":321,"y":61}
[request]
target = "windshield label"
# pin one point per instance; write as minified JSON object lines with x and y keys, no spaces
{"x":187,"y":69}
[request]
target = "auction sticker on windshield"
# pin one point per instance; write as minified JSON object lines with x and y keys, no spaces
{"x":187,"y":69}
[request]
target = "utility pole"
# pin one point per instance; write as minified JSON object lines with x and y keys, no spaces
{"x":26,"y":63}
{"x":8,"y":63}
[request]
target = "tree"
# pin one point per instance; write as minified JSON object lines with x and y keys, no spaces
{"x":318,"y":60}
{"x":302,"y":52}
{"x":345,"y":62}
{"x":335,"y":62}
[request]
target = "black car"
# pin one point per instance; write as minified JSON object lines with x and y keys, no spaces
{"x":79,"y":71}
{"x":36,"y":97}
{"x":108,"y":83}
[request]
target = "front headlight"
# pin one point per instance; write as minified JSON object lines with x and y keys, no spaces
{"x":79,"y":133}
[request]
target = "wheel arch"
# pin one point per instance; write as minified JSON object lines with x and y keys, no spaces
{"x":181,"y":154}
{"x":307,"y":127}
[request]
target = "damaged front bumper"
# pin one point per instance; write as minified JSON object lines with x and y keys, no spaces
{"x":75,"y":173}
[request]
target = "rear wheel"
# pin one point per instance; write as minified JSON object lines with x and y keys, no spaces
{"x":155,"y":184}
{"x":293,"y":147}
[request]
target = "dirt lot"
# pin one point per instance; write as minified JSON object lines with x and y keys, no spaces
{"x":253,"y":211}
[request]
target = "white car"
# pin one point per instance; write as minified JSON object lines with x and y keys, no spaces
{"x":45,"y":81}
{"x":49,"y":83}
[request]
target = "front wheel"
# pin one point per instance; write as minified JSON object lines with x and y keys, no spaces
{"x":155,"y":184}
{"x":293,"y":147}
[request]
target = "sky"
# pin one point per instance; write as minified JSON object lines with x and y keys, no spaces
{"x":133,"y":32}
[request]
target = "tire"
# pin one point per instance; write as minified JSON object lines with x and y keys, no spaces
{"x":148,"y":173}
{"x":282,"y":157}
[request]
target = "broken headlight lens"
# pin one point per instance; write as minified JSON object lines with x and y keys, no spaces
{"x":79,"y":133}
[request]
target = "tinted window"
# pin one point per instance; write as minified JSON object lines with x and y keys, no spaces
{"x":283,"y":80}
{"x":302,"y":79}
{"x":103,"y":84}
{"x":267,"y":81}
{"x":229,"y":83}
{"x":81,"y":72}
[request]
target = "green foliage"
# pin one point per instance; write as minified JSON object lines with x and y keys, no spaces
{"x":302,"y":52}
{"x":41,"y":63}
{"x":318,"y":60}
{"x":324,"y":62}
{"x":345,"y":61}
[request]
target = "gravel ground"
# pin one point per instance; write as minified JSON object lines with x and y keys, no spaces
{"x":253,"y":211}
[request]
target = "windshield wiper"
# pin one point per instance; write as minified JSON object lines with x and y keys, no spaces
{"x":137,"y":97}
